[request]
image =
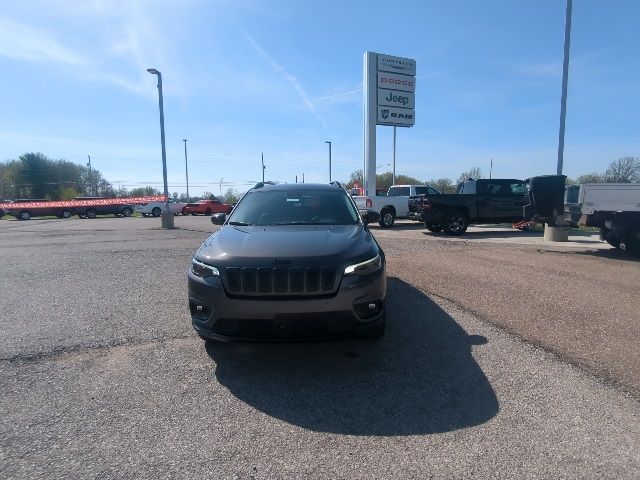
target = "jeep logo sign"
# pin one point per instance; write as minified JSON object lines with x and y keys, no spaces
{"x":393,"y":81}
{"x":395,"y":98}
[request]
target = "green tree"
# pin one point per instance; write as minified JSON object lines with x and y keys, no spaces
{"x":144,"y":191}
{"x":593,"y":177}
{"x":443,"y":185}
{"x":355,"y":177}
{"x":475,"y":173}
{"x":231,"y":196}
{"x":623,"y":170}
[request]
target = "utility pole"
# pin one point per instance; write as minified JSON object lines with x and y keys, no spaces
{"x":393,"y":182}
{"x":90,"y":176}
{"x":296,"y":178}
{"x":263,"y":167}
{"x":491,"y":168}
{"x":303,"y":177}
{"x":565,"y":81}
{"x":221,"y":186}
{"x":186,"y":168}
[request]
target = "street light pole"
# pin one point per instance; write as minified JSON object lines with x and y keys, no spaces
{"x":329,"y":160}
{"x":167,"y":216}
{"x":186,"y":167}
{"x":221,"y":186}
{"x":565,"y":81}
{"x":263,"y":167}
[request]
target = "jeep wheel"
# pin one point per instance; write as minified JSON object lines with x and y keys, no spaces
{"x":387,"y":218}
{"x":433,"y":227}
{"x":24,"y":215}
{"x":65,"y":214}
{"x":456,"y":223}
{"x":91,"y":213}
{"x":156,"y":211}
{"x":126,"y":212}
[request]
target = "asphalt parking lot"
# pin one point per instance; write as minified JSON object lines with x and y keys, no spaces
{"x":505,"y":357}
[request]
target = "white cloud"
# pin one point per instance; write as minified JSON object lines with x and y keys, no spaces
{"x":288,"y":77}
{"x":23,"y":42}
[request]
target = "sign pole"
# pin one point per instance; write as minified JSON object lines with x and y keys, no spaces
{"x":394,"y":156}
{"x":370,"y":115}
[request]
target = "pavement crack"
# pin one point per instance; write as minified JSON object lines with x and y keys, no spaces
{"x":83,"y":349}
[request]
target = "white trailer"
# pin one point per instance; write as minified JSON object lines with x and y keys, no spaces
{"x":612,"y":207}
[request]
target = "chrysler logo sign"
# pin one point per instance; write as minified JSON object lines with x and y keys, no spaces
{"x":387,"y":63}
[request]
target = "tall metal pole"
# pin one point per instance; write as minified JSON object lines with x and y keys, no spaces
{"x":167,"y":216}
{"x":186,"y":167}
{"x":565,"y":80}
{"x":221,"y":185}
{"x":369,"y":83}
{"x":303,"y":177}
{"x":393,"y":182}
{"x":329,"y":160}
{"x":263,"y":167}
{"x":491,"y":168}
{"x":90,"y":176}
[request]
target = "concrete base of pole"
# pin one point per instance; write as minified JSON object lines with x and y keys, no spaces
{"x":556,"y":234}
{"x":167,"y":220}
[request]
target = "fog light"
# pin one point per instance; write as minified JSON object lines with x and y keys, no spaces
{"x":201,"y":312}
{"x":368,"y":309}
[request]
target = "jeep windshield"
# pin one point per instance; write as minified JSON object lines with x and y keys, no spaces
{"x":295,"y":207}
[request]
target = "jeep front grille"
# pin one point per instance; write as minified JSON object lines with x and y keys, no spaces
{"x":280,"y":281}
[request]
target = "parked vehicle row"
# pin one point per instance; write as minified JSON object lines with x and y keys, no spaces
{"x":90,"y":207}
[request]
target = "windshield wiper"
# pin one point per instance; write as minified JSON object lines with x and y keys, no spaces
{"x":240,"y":224}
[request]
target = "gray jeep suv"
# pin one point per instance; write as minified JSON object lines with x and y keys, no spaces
{"x":290,"y":262}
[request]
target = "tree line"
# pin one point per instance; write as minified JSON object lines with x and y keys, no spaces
{"x":34,"y":175}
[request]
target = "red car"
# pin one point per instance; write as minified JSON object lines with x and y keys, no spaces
{"x":206,"y":207}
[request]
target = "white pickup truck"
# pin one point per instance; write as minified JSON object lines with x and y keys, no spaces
{"x":395,"y":204}
{"x":612,"y":207}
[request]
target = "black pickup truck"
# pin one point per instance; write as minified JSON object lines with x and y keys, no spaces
{"x":476,"y":201}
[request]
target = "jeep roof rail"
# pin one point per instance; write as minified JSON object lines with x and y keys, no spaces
{"x":262,"y":184}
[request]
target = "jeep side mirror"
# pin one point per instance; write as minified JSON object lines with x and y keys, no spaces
{"x":369,"y":216}
{"x":218,"y":218}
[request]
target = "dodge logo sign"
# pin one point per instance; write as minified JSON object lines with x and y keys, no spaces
{"x":393,"y":81}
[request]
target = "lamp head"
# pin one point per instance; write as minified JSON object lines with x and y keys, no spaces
{"x":153,"y":71}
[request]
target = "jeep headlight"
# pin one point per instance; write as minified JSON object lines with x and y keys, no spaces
{"x":364,"y":268}
{"x":203,"y":270}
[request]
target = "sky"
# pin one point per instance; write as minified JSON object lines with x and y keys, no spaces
{"x":282,"y":77}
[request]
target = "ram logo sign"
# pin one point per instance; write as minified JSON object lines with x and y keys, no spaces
{"x":396,"y":116}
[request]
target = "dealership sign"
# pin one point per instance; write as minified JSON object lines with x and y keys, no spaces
{"x":395,"y":86}
{"x":389,"y":99}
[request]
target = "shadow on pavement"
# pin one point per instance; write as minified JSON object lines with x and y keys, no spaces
{"x":419,"y":378}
